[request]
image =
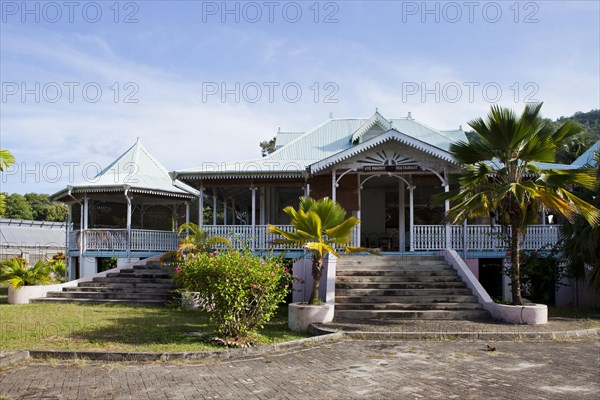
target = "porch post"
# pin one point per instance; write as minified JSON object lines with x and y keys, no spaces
{"x":307,"y":189}
{"x":201,"y":207}
{"x":84,"y":221}
{"x":465,"y":239}
{"x":402,"y":217}
{"x":446,"y":209}
{"x":224,"y":211}
{"x":187,"y":215}
{"x":128,"y":224}
{"x":214,"y":208}
{"x":333,"y":184}
{"x":253,"y":188}
{"x":411,"y":198}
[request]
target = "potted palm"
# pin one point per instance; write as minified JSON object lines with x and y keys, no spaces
{"x":320,"y":227}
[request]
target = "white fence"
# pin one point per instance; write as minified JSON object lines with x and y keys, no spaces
{"x":426,"y":238}
{"x":481,"y":237}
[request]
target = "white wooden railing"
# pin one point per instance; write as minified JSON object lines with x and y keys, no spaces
{"x":257,"y":237}
{"x":481,"y":237}
{"x":143,"y":240}
{"x":426,"y":238}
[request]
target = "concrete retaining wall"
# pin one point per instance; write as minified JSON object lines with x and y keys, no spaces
{"x":533,"y":314}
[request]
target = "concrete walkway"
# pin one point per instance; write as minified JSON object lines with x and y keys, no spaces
{"x":343,"y":369}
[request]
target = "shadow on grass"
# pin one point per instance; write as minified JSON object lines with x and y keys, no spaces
{"x":3,"y":293}
{"x":162,"y":329}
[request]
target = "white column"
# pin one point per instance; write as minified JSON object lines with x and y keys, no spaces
{"x":187,"y":215}
{"x":253,"y":215}
{"x":86,"y":211}
{"x":359,"y":213}
{"x":402,"y":217}
{"x":128,"y":225}
{"x":411,"y":199}
{"x":214,"y":207}
{"x":465,"y":239}
{"x":307,"y":189}
{"x":224,"y":211}
{"x":446,"y":209}
{"x":201,"y":207}
{"x":333,"y":184}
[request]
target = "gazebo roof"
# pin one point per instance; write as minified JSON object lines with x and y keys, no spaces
{"x":587,"y":158}
{"x":137,"y":171}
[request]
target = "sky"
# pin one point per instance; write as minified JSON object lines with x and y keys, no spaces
{"x":206,"y":81}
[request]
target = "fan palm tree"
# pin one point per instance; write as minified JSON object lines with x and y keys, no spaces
{"x":319,"y":225}
{"x":17,"y":273}
{"x":581,"y":241}
{"x":502,"y":176}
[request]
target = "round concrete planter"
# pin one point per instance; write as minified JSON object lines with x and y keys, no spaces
{"x":530,"y":314}
{"x":301,"y":315}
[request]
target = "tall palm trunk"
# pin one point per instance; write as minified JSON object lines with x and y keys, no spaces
{"x":317,"y":272}
{"x":515,"y":264}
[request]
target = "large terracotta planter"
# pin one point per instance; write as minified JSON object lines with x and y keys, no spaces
{"x":301,"y":315}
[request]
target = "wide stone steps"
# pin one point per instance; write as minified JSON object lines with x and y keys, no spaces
{"x":399,"y":287}
{"x":405,"y":299}
{"x":409,"y":314}
{"x":149,"y":285}
{"x":423,"y":293}
{"x":408,"y":306}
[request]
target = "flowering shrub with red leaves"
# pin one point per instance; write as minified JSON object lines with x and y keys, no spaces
{"x":242,"y":291}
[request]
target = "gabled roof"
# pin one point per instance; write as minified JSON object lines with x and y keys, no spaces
{"x":329,"y":138}
{"x":391,"y":135}
{"x":376,"y":119}
{"x":137,"y":171}
{"x":283,"y":138}
{"x":587,"y":158}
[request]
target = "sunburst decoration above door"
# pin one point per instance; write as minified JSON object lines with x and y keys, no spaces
{"x":383,"y":157}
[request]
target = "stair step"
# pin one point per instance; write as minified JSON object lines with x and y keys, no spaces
{"x":403,"y":292}
{"x":99,"y":301}
{"x":396,"y":279}
{"x":131,"y":280}
{"x":396,"y":272}
{"x":408,"y":306}
{"x":110,"y":295}
{"x":128,"y":285}
{"x":113,"y":289}
{"x":399,"y":285}
{"x":411,"y":314}
{"x":405,"y":299}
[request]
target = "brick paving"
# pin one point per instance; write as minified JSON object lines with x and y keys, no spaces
{"x":345,"y":369}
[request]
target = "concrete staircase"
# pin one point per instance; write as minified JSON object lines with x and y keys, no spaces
{"x":148,"y":285}
{"x":402,"y":287}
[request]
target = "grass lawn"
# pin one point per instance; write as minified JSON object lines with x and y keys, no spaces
{"x":116,"y":328}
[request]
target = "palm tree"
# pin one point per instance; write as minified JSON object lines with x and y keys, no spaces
{"x":195,"y":241}
{"x":581,"y":241}
{"x":502,"y":176}
{"x":17,"y":273}
{"x":319,"y":225}
{"x":6,"y":159}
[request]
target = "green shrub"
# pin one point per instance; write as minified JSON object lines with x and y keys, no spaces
{"x":241,"y":291}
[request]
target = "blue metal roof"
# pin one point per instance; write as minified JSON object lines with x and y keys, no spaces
{"x":587,"y":158}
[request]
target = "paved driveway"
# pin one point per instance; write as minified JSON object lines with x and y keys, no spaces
{"x":347,"y":369}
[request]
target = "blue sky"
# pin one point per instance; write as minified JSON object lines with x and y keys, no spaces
{"x":206,"y":81}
